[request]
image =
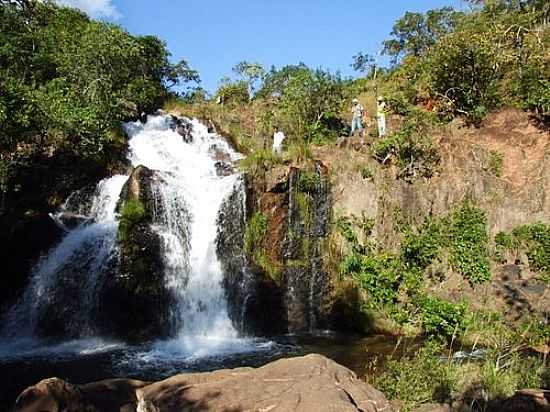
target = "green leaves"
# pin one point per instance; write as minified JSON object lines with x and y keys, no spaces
{"x":468,"y":243}
{"x":441,"y":317}
{"x":66,"y":81}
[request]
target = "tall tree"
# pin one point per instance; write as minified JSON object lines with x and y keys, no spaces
{"x":415,"y":33}
{"x":251,"y":73}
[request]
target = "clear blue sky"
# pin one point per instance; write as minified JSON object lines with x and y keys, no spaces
{"x":215,"y":35}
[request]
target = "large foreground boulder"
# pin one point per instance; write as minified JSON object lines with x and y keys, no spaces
{"x":309,"y":383}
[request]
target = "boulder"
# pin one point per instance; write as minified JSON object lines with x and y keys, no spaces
{"x":528,"y":400}
{"x":53,"y":395}
{"x":134,"y":301}
{"x":183,"y":127}
{"x":304,"y":384}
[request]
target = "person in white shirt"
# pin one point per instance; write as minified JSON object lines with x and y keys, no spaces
{"x":278,"y":138}
{"x":381,"y":116}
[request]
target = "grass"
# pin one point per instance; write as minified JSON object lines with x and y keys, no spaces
{"x":432,"y":375}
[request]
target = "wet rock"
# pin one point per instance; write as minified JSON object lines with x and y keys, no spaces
{"x":224,"y":169}
{"x":23,"y":242}
{"x":134,"y":301}
{"x":68,"y":221}
{"x":183,"y":127}
{"x":305,"y":384}
{"x":307,"y":282}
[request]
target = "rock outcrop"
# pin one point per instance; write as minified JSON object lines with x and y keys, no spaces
{"x":297,"y":206}
{"x":309,"y":383}
{"x":135,"y":303}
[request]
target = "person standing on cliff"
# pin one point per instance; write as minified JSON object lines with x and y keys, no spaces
{"x":278,"y":138}
{"x":381,"y":116}
{"x":357,"y":111}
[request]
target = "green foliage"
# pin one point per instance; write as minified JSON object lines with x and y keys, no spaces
{"x":251,"y":74}
{"x":471,"y":63}
{"x":495,"y":163}
{"x":233,"y":92}
{"x":414,"y":33}
{"x":308,"y":181}
{"x":132,"y":214}
{"x":430,"y":376}
{"x":504,"y":373}
{"x":465,"y":73}
{"x":379,"y":274}
{"x":393,"y":281}
{"x":441,"y":317}
{"x":420,"y":248}
{"x":533,"y":239}
{"x":467,"y":241}
{"x":256,"y":229}
{"x":422,"y":378}
{"x":311,"y":101}
{"x":67,"y":81}
{"x":412,"y":149}
{"x":254,"y":245}
{"x":259,"y":161}
{"x":367,"y":174}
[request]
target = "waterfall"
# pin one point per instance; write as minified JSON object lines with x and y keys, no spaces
{"x":63,"y":283}
{"x":194,"y":177}
{"x":189,"y":195}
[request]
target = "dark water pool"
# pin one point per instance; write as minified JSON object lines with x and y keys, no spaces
{"x":24,"y":363}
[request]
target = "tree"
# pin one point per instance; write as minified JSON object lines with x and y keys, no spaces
{"x":276,"y":80}
{"x":251,"y":73}
{"x":66,"y":83}
{"x":365,"y":63}
{"x":312,"y":100}
{"x":415,"y":33}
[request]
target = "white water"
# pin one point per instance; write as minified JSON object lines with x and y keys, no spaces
{"x":86,"y":249}
{"x":190,"y":195}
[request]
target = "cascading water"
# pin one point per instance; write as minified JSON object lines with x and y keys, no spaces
{"x":190,"y":194}
{"x":63,"y":284}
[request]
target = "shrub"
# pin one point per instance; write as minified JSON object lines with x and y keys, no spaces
{"x":420,"y":379}
{"x":414,"y":152}
{"x":468,"y":243}
{"x":533,"y":239}
{"x":441,"y":317}
{"x":234,"y":92}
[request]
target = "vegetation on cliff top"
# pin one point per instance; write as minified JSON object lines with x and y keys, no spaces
{"x":66,"y":83}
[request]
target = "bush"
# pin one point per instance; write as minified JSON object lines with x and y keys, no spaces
{"x":234,"y":92}
{"x":533,"y":239}
{"x":423,"y":378}
{"x":413,"y":150}
{"x":468,"y":243}
{"x":441,"y":317}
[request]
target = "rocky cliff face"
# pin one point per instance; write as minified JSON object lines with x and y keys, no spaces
{"x":503,"y":167}
{"x":297,"y":207}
